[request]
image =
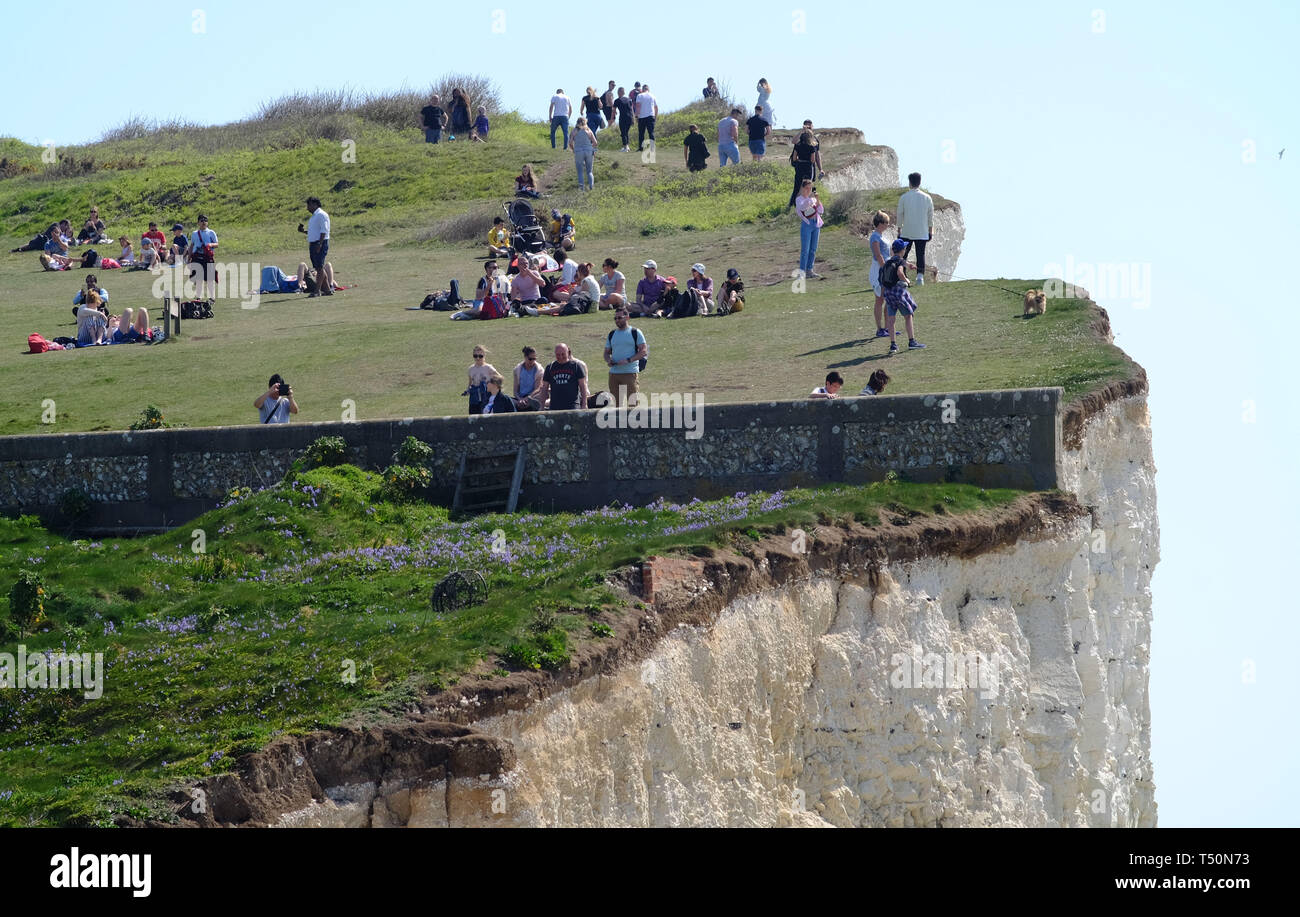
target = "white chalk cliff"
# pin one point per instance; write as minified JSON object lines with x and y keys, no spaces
{"x":972,"y":687}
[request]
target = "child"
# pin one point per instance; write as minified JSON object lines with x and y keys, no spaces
{"x":733,"y":293}
{"x":895,"y":283}
{"x":879,"y":255}
{"x":876,"y":384}
{"x":127,"y":258}
{"x":498,"y":239}
{"x":832,"y":387}
{"x":481,"y":125}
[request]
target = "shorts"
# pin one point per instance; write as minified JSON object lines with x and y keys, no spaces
{"x":317,"y":253}
{"x":900,"y":301}
{"x":758,"y":147}
{"x":874,"y":278}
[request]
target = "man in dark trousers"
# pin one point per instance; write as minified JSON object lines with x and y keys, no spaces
{"x":804,"y":158}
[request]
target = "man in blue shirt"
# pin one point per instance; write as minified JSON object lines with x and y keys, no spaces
{"x":625,"y":348}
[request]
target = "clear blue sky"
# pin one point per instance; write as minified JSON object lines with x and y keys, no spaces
{"x":1099,"y":132}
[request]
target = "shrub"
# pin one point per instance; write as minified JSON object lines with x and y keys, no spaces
{"x":324,"y":451}
{"x":601,"y":630}
{"x":464,"y":227}
{"x":414,"y":452}
{"x":27,"y":601}
{"x":522,"y":656}
{"x":208,"y":620}
{"x":151,"y":418}
{"x":848,"y":207}
{"x":74,"y":503}
{"x":404,"y":483}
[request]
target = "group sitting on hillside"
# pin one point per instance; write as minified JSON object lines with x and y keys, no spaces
{"x":556,"y":285}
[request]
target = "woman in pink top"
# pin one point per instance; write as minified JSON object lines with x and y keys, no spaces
{"x":810,"y":213}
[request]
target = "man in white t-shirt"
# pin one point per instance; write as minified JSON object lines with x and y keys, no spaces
{"x":559,"y":112}
{"x":647,"y":109}
{"x":916,"y":222}
{"x":728,"y":135}
{"x":318,"y":246}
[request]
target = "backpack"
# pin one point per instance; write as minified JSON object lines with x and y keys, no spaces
{"x":580,"y":303}
{"x":687,"y":306}
{"x":37,"y":344}
{"x":889,"y":271}
{"x":90,"y":258}
{"x":494,"y":307}
{"x":637,"y":338}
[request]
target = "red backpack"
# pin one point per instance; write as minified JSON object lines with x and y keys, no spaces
{"x":37,"y":344}
{"x":494,"y":307}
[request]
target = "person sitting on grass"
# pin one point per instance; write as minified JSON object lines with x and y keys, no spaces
{"x":876,"y":384}
{"x":733,"y":293}
{"x":700,"y":288}
{"x":582,"y":294}
{"x":489,"y":285}
{"x":308,"y":279}
{"x":92,"y":323}
{"x":562,"y":234}
{"x":525,"y":184}
{"x":92,"y":285}
{"x":526,"y":288}
{"x":613,"y":286}
{"x":498,"y":239}
{"x":127,"y":257}
{"x":834,"y":381}
{"x":37,"y":244}
{"x":148,"y":255}
{"x":649,"y":290}
{"x":897,"y":298}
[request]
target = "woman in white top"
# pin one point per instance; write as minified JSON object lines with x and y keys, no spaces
{"x":586,"y":285}
{"x":583,"y":143}
{"x":765,"y":93}
{"x":614,"y":285}
{"x":810,"y":213}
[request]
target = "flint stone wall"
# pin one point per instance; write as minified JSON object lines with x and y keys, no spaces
{"x":575,"y":460}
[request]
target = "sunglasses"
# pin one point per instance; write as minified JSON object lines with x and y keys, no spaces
{"x":479,"y":356}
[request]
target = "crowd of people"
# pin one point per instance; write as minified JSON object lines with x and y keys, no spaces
{"x":535,"y":283}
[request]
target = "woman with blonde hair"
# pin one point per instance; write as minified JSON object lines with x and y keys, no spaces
{"x":593,"y":106}
{"x":583,"y":143}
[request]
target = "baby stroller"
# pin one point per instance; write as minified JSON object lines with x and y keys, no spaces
{"x":526,"y":232}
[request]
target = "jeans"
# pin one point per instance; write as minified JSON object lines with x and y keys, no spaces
{"x":623,"y":128}
{"x":585,"y":160}
{"x":644,"y":126}
{"x":920,"y":254}
{"x":809,"y":233}
{"x":560,"y":121}
{"x":728,"y":151}
{"x":432,"y":134}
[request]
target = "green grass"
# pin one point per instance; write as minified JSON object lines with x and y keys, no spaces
{"x":208,"y":656}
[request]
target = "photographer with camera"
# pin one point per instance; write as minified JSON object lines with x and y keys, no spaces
{"x":277,"y":403}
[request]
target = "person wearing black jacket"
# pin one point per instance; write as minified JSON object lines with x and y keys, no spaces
{"x":498,"y":401}
{"x":803,"y":157}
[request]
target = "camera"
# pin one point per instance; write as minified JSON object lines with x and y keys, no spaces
{"x":284,"y":389}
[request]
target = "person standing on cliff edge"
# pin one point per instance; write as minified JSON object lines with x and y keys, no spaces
{"x":916,"y":222}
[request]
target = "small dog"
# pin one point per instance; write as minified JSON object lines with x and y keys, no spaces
{"x":1035,"y":303}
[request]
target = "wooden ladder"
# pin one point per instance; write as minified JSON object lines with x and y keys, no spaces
{"x":489,"y":483}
